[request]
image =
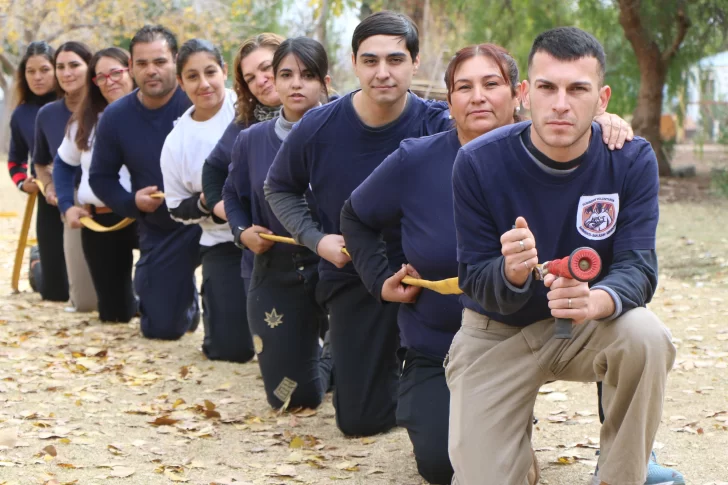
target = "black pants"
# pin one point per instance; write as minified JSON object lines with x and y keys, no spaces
{"x":165,"y":283}
{"x":49,"y":229}
{"x":284,"y":315}
{"x":227,"y":336}
{"x":110,"y":259}
{"x":423,"y":409}
{"x":364,"y":340}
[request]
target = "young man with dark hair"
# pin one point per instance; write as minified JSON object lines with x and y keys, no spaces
{"x":549,"y":176}
{"x":333,"y":149}
{"x":132,"y":132}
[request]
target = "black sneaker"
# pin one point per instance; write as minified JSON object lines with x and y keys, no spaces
{"x":195,"y":320}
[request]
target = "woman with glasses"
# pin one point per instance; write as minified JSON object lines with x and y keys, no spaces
{"x":108,"y":254}
{"x":35,"y":86}
{"x":71,"y":62}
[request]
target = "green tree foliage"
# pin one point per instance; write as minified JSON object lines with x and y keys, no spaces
{"x":649,"y":44}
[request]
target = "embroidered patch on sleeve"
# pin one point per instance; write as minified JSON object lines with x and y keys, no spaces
{"x":596,"y":217}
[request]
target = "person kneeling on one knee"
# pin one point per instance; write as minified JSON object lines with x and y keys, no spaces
{"x":565,"y":189}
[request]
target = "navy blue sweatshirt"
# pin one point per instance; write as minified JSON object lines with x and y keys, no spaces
{"x":215,"y":179}
{"x":331,"y":151}
{"x":609,"y":203}
{"x":132,"y":135}
{"x":245,"y":204}
{"x":50,"y":128}
{"x":217,"y":163}
{"x":22,"y":136}
{"x":411,"y":189}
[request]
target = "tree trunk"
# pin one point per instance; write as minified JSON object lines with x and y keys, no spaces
{"x":365,"y":10}
{"x":5,"y":112}
{"x":320,"y":33}
{"x":646,"y":117}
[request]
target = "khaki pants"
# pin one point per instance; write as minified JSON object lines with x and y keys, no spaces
{"x":80,"y":285}
{"x":494,"y":373}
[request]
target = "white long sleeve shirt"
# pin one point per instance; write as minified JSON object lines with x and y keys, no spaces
{"x":183,"y":155}
{"x":69,"y":153}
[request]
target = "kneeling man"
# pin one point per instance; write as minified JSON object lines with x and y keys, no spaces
{"x":564,"y":189}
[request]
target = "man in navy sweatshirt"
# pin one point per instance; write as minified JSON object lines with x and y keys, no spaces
{"x":131,"y":132}
{"x":332,"y":150}
{"x":554,"y":178}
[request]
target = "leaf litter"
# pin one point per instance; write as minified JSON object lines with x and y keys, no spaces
{"x":101,"y":403}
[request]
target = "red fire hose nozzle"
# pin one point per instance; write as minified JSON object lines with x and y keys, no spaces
{"x":583,"y":264}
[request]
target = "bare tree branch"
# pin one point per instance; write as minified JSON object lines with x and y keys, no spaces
{"x":683,"y":24}
{"x":71,"y":28}
{"x":7,"y":64}
{"x":631,"y":20}
{"x":32,"y":33}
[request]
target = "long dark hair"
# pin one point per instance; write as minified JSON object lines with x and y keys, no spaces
{"x":78,"y":48}
{"x":23,"y":93}
{"x":245,"y":105}
{"x":87,"y":114}
{"x":310,"y":53}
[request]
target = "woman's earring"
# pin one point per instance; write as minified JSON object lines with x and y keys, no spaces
{"x":449,"y":117}
{"x":518,"y":109}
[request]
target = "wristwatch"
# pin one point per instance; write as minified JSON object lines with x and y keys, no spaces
{"x":236,"y":234}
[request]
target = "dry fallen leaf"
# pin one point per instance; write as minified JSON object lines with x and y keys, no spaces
{"x":164,"y":421}
{"x":305,"y":413}
{"x":50,"y":450}
{"x":175,"y":477}
{"x":296,"y":442}
{"x":348,"y":466}
{"x":122,"y":472}
{"x":286,"y":471}
{"x":556,"y":397}
{"x":8,"y":437}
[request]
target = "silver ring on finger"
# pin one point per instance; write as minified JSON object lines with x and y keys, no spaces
{"x":523,"y":246}
{"x":569,"y":303}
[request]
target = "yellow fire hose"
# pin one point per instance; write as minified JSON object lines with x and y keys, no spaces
{"x":89,"y":223}
{"x":23,"y":241}
{"x":25,"y":228}
{"x":444,"y":287}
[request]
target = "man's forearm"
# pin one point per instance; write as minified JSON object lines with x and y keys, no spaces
{"x":487,"y":285}
{"x":109,"y":190}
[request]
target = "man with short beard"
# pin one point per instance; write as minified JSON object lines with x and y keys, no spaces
{"x":132,"y":132}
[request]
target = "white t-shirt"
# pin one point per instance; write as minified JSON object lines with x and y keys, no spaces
{"x":69,"y":153}
{"x":184,"y":152}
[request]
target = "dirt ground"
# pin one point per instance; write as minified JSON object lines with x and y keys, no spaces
{"x":86,"y":403}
